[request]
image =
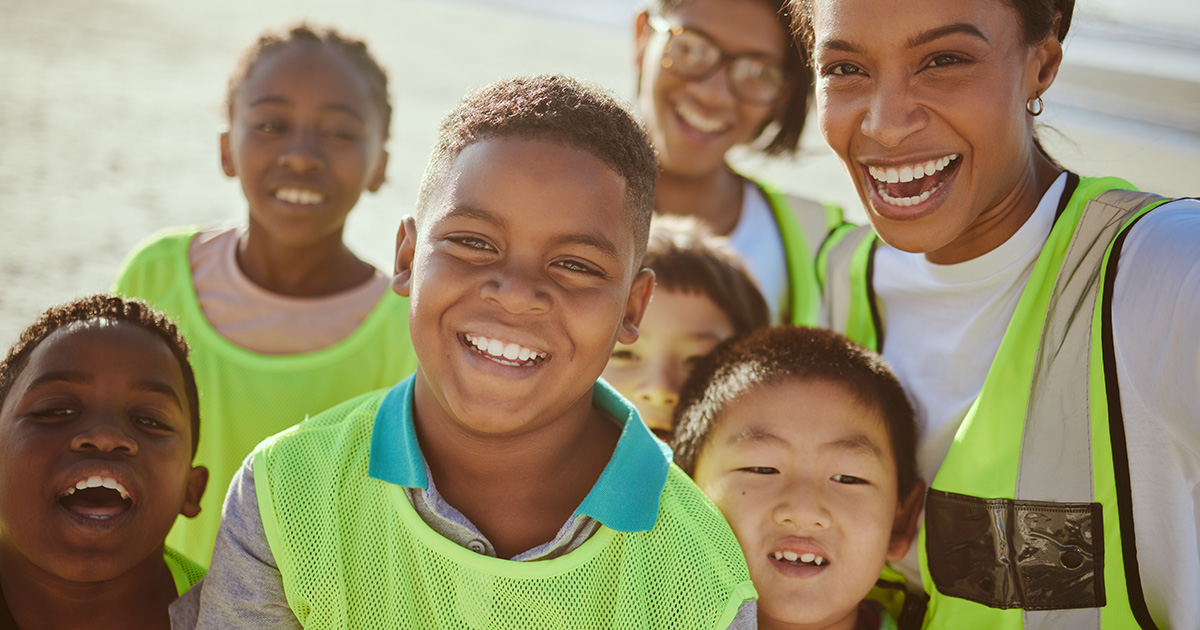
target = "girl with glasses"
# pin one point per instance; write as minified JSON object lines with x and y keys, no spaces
{"x":714,"y":74}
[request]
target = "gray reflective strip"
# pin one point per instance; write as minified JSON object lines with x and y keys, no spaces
{"x":839,"y":289}
{"x":1056,"y":448}
{"x":812,"y":219}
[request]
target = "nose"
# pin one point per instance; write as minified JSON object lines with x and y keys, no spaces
{"x":303,"y":152}
{"x":659,"y":387}
{"x":105,"y":436}
{"x":714,"y":89}
{"x":518,"y":287}
{"x":892,"y":115}
{"x":802,"y":505}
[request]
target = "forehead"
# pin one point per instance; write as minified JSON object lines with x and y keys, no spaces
{"x":537,"y":189}
{"x":739,"y":26}
{"x":307,"y":73}
{"x":802,"y":416}
{"x":868,"y":24}
{"x":101,"y":348}
{"x":676,"y":314}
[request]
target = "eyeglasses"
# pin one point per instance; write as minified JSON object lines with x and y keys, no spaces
{"x":693,"y":56}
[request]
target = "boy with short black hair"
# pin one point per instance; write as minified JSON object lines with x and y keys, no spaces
{"x":501,"y":485}
{"x":99,"y":421}
{"x":806,"y":442}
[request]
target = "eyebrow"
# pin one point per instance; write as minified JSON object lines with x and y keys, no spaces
{"x":919,"y":39}
{"x":279,"y":100}
{"x":588,"y":240}
{"x":857,"y":442}
{"x":853,"y":442}
{"x":81,"y":378}
{"x":755,"y":435}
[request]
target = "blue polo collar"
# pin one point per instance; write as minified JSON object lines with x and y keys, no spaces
{"x":625,"y":497}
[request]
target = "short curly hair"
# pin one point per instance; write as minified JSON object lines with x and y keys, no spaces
{"x":687,"y":258}
{"x":559,"y":109}
{"x":110,"y":308}
{"x":790,"y":117}
{"x":354,"y":50}
{"x":773,"y":355}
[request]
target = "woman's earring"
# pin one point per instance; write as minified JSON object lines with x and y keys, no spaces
{"x":1035,"y":106}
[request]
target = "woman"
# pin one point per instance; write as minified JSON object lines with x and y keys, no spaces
{"x":714,"y":74}
{"x":1058,"y":400}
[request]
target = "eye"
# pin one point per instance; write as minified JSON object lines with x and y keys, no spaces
{"x":841,"y":69}
{"x":54,"y":414}
{"x":578,"y":267}
{"x":342,"y":135}
{"x":471,"y":242}
{"x":759,"y":470}
{"x":152,"y":423}
{"x":849,"y":479}
{"x":270,"y":127}
{"x":945,"y":59}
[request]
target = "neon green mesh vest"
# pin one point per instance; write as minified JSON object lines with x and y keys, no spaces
{"x":353,"y":552}
{"x":246,"y":396}
{"x":1029,"y":521}
{"x":185,"y":572}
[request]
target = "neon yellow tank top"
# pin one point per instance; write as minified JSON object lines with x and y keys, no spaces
{"x":246,"y":396}
{"x":353,"y":552}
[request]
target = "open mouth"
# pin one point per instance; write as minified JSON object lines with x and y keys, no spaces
{"x":299,"y":196}
{"x":698,"y":120}
{"x":98,"y":498}
{"x":503,"y":352}
{"x":800,"y":559}
{"x":911,"y":184}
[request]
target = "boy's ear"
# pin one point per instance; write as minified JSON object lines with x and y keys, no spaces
{"x":197,"y":481}
{"x":908,"y":516}
{"x":380,"y":175}
{"x":641,"y":38}
{"x":227,"y":156}
{"x":635,"y":306}
{"x":406,"y":243}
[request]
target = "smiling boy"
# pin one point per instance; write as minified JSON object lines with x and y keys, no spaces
{"x":501,"y":485}
{"x":98,"y":426}
{"x":805,"y":441}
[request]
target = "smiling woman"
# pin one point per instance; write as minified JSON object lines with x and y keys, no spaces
{"x":1045,"y":381}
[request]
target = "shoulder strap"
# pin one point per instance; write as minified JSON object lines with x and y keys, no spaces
{"x":848,"y":305}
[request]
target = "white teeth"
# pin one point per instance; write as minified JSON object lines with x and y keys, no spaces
{"x":779,"y":555}
{"x":96,"y":481}
{"x":909,"y":172}
{"x":298,"y":196}
{"x":808,"y":557}
{"x":698,"y":120}
{"x":790,"y":556}
{"x":502,"y":350}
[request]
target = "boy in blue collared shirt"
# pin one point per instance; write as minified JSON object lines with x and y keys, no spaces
{"x":427,"y":505}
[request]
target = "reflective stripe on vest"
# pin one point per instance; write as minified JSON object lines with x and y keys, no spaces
{"x":1039,"y":548}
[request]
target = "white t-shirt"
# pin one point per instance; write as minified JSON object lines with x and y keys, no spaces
{"x":943,"y":325}
{"x":757,"y":241}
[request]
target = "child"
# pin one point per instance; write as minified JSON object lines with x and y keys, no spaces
{"x":712,"y":75}
{"x":702,"y":296}
{"x":283,"y":319}
{"x":99,"y":422}
{"x":502,"y":486}
{"x":805,"y":441}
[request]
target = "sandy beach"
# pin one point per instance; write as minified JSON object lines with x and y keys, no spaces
{"x":109,"y":115}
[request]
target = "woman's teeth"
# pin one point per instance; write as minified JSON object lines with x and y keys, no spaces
{"x":800,"y":558}
{"x":501,"y":350}
{"x":299,"y":196}
{"x":909,"y":172}
{"x":693,"y":117}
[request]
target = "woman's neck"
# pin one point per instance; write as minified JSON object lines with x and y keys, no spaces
{"x":324,"y":268}
{"x":715,"y":199}
{"x":137,"y":599}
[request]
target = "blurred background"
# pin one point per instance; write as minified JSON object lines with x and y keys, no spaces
{"x":109,"y":112}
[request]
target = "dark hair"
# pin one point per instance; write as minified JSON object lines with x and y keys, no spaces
{"x":559,"y":109}
{"x":1037,"y":20}
{"x":773,"y":355}
{"x":110,"y":308}
{"x":686,"y":257}
{"x":354,"y":50}
{"x":791,"y":114}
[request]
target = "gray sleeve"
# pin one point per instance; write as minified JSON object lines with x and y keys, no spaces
{"x":747,"y":616}
{"x":243,"y":588}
